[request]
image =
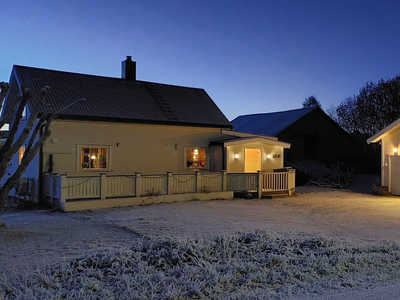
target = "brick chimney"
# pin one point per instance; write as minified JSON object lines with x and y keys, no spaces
{"x":128,"y":70}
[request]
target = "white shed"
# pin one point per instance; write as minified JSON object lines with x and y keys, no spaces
{"x":389,"y":138}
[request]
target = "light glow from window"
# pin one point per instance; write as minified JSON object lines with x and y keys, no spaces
{"x":196,"y":158}
{"x":94,"y":158}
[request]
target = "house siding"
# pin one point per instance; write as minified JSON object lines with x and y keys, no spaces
{"x":389,"y":142}
{"x":149,"y":149}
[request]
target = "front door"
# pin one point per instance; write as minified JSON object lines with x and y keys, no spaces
{"x":252,"y":160}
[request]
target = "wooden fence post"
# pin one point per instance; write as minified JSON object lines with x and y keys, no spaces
{"x":170,"y":183}
{"x":224,"y":180}
{"x":198,"y":181}
{"x":63,"y":189}
{"x":292,"y":181}
{"x":103,"y":186}
{"x":259,"y":183}
{"x":138,"y":184}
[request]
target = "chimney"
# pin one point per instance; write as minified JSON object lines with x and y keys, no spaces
{"x":128,"y":70}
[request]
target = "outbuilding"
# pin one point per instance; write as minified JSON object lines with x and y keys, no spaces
{"x":389,"y":138}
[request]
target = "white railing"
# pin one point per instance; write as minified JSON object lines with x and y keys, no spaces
{"x":184,"y":184}
{"x":153,"y":185}
{"x":275,"y":181}
{"x":242,"y":181}
{"x":62,"y":188}
{"x":121,"y":186}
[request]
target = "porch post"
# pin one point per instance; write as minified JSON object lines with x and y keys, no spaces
{"x":292,"y":181}
{"x":63,"y":190}
{"x":259,"y":183}
{"x":170,"y":183}
{"x":103,"y":185}
{"x":138,"y":184}
{"x":224,"y":180}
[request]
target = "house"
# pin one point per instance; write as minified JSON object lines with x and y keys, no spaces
{"x":313,"y":135}
{"x":126,"y":126}
{"x":389,"y":138}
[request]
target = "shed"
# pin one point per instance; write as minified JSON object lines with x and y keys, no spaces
{"x":389,"y":138}
{"x":313,"y":135}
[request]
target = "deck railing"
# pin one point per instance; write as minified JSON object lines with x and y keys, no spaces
{"x":63,"y":188}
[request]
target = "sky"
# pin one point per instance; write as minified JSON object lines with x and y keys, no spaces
{"x":250,"y":56}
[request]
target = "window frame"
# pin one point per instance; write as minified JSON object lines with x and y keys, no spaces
{"x":79,"y":158}
{"x":207,"y":159}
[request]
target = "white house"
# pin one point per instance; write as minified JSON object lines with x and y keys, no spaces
{"x":127,"y":127}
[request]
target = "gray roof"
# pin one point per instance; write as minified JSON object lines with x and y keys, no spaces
{"x":120,"y":100}
{"x":269,"y":123}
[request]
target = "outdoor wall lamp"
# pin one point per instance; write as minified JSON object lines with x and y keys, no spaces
{"x":236,"y":156}
{"x":395,"y":150}
{"x":269,"y":156}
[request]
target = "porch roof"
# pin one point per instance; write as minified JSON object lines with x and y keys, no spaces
{"x":384,"y":132}
{"x":245,"y":140}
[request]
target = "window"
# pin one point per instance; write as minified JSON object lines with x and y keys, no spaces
{"x":21,"y":153}
{"x":94,"y":157}
{"x":196,"y":158}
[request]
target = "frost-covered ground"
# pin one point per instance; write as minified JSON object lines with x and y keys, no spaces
{"x":321,"y":243}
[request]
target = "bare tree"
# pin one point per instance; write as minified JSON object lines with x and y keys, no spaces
{"x":35,"y":133}
{"x":311,"y":101}
{"x":375,"y":107}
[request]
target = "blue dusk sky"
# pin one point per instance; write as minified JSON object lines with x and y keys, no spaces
{"x":250,"y":56}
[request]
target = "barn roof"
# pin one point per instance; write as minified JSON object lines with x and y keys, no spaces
{"x":269,"y":123}
{"x":121,"y":100}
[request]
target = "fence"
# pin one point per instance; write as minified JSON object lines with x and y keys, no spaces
{"x":60,"y":188}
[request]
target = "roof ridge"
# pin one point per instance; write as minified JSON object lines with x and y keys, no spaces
{"x":119,"y":99}
{"x":109,"y":77}
{"x":282,"y":111}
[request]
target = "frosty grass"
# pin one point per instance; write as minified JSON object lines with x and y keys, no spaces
{"x":256,"y":265}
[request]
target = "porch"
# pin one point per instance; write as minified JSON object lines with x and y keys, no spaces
{"x":72,"y":193}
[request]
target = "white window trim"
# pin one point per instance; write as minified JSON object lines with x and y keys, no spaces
{"x":185,"y":150}
{"x":78,"y":158}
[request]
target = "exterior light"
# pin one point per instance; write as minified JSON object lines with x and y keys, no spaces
{"x":395,"y":150}
{"x":93,"y":157}
{"x":269,"y":156}
{"x":236,"y":156}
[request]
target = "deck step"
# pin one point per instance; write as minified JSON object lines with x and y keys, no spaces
{"x":273,"y":195}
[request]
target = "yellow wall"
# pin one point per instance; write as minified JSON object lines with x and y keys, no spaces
{"x":237,"y":165}
{"x":150,"y":149}
{"x":389,"y":142}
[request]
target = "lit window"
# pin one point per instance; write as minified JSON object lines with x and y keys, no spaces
{"x":21,"y":153}
{"x":196,"y":158}
{"x":94,"y":157}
